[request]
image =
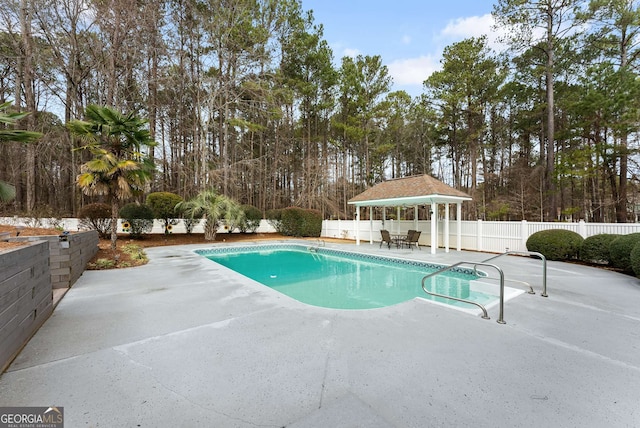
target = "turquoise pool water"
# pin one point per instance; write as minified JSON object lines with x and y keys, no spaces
{"x":343,"y":281}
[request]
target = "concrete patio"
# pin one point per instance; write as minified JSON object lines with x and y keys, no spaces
{"x":183,"y":342}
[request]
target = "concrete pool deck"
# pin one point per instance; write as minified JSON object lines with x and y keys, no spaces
{"x":184,"y":342}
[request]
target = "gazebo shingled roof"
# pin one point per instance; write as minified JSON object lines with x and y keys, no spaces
{"x":416,"y":190}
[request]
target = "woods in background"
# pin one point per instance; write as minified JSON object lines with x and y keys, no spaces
{"x":246,"y":97}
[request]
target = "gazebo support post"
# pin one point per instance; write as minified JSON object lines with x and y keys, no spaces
{"x":459,"y":224}
{"x":415,"y":217}
{"x":398,"y":219}
{"x":434,"y":227}
{"x":446,"y":227}
{"x":370,"y":225}
{"x":357,"y":224}
{"x":384,"y":218}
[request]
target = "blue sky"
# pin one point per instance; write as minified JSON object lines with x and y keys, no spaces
{"x":409,"y":35}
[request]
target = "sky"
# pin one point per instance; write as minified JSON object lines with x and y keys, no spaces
{"x":409,"y":35}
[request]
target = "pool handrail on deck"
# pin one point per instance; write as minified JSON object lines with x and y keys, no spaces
{"x":475,"y":265}
{"x":529,"y":253}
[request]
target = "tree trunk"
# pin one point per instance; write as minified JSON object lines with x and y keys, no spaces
{"x":30,"y":101}
{"x":550,"y":170}
{"x":210,"y":229}
{"x":114,"y":222}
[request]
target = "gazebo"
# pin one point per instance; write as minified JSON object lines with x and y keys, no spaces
{"x":413,"y":191}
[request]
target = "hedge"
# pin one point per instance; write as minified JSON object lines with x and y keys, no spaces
{"x":96,"y":217}
{"x":163,"y":205}
{"x":595,"y":249}
{"x":138,"y":219}
{"x":620,"y":250}
{"x":634,"y":258}
{"x":294,"y":221}
{"x":252,"y":219}
{"x":555,"y":244}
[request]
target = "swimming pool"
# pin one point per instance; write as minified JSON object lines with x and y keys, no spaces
{"x":344,"y":280}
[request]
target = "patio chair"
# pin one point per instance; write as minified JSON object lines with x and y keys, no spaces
{"x":386,"y":238}
{"x":412,"y":238}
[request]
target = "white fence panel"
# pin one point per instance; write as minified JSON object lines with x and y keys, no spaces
{"x":72,"y":224}
{"x":491,"y":236}
{"x":497,"y":236}
{"x":612,"y":228}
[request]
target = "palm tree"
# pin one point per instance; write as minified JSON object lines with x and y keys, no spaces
{"x":8,"y":191}
{"x":214,"y":208}
{"x":118,"y":169}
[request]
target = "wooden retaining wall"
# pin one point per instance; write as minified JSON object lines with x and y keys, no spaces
{"x":68,"y":257}
{"x":28,"y":276}
{"x":26,"y":297}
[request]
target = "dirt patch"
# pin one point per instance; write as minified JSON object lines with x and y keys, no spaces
{"x":27,"y":231}
{"x":4,"y":246}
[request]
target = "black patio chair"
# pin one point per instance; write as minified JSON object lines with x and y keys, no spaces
{"x":386,"y":238}
{"x":412,"y":239}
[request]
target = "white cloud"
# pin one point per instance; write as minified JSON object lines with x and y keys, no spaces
{"x":473,"y":26}
{"x":352,"y":52}
{"x":413,"y":71}
{"x":406,"y":39}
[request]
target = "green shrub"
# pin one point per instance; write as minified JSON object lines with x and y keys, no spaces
{"x":135,"y":251}
{"x":96,"y":217}
{"x":102,"y":264}
{"x":595,"y":249}
{"x":138,"y":218}
{"x":274,"y":218}
{"x":555,"y":244}
{"x":190,"y":223}
{"x":190,"y":220}
{"x":291,"y":221}
{"x":301,"y":222}
{"x":312,"y":223}
{"x":620,"y":250}
{"x":634,"y":258}
{"x":163,"y":205}
{"x":252,"y":219}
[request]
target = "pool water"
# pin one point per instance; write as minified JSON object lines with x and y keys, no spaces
{"x":346,"y":282}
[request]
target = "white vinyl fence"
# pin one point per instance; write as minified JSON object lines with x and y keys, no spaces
{"x":490,"y":236}
{"x":72,"y":224}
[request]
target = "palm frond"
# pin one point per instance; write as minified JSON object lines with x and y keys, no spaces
{"x":7,"y":191}
{"x":128,"y":165}
{"x":91,"y":184}
{"x":17,"y":135}
{"x":98,"y":165}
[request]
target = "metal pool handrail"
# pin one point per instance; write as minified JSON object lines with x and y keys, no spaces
{"x":475,"y":265}
{"x":529,"y":253}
